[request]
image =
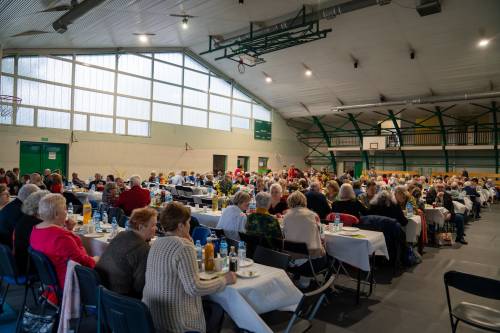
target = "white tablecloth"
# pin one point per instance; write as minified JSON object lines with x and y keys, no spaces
{"x":459,"y":207}
{"x":247,"y":298}
{"x":96,"y":246}
{"x":468,"y":203}
{"x":413,"y":229}
{"x":356,"y":251}
{"x":208,"y":218}
{"x":435,"y":215}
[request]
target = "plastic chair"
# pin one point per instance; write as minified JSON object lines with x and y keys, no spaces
{"x":88,"y":281}
{"x":271,"y":258}
{"x":10,"y":276}
{"x":201,"y":233}
{"x":123,"y":314}
{"x":476,"y":315}
{"x":347,"y":219}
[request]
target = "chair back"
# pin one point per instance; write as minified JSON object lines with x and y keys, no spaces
{"x":188,"y":191}
{"x":295,"y":247}
{"x":123,"y":314}
{"x":473,"y":284}
{"x":271,"y":258}
{"x":180,"y":190}
{"x":251,"y":241}
{"x":8,"y":266}
{"x":45,"y":269}
{"x":206,"y":202}
{"x":88,"y":281}
{"x":347,"y":219}
{"x":117,"y":212}
{"x":197,"y":200}
{"x":200,"y":233}
{"x":219,"y":232}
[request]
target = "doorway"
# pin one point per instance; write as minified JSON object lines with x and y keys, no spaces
{"x":38,"y":156}
{"x":219,"y":163}
{"x":263,"y":164}
{"x":242,"y":163}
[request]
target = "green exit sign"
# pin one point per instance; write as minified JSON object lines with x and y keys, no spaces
{"x":45,"y":139}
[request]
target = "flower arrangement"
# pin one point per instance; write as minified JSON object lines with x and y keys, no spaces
{"x":226,"y":188}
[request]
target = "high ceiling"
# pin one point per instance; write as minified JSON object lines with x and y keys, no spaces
{"x":447,"y":60}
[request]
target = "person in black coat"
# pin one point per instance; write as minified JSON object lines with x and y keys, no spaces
{"x":11,"y":213}
{"x":24,"y":226}
{"x":384,"y":204}
{"x":347,"y":202}
{"x":316,"y":201}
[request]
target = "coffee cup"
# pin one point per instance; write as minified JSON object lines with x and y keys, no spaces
{"x":218,"y":264}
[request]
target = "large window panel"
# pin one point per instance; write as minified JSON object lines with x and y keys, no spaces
{"x":44,"y":68}
{"x":101,"y":60}
{"x":25,"y":116}
{"x":53,"y":119}
{"x":220,"y":86}
{"x":220,"y":104}
{"x":120,"y":126}
{"x":195,"y":99}
{"x":132,"y":108}
{"x":6,"y":85}
{"x":94,"y":78}
{"x":101,"y":124}
{"x":167,"y":93}
{"x":93,"y":102}
{"x":134,"y":64}
{"x":8,"y":65}
{"x":193,"y":117}
{"x":172,"y":57}
{"x":133,"y":86}
{"x":261,"y":113}
{"x":44,"y":94}
{"x":238,"y":122}
{"x":166,"y":113}
{"x":79,"y":122}
{"x":219,"y":121}
{"x":168,"y":73}
{"x":140,"y":128}
{"x":242,"y":109}
{"x":239,"y":95}
{"x":193,"y":64}
{"x":195,"y":80}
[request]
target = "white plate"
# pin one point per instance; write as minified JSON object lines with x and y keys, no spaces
{"x":349,"y":233}
{"x":94,"y":235}
{"x":247,"y":262}
{"x":247,"y":274}
{"x":350,"y":229}
{"x":210,"y":275}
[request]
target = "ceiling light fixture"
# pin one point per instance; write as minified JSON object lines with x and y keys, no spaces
{"x":185,"y":23}
{"x":143,"y":37}
{"x":483,"y":42}
{"x":268,"y":78}
{"x":308,"y":71}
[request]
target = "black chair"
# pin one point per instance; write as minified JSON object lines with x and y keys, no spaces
{"x":476,"y":315}
{"x":71,"y":198}
{"x":299,"y":250}
{"x":9,"y":275}
{"x":251,"y":241}
{"x":207,"y":202}
{"x":117,"y":212}
{"x":271,"y":258}
{"x":219,"y":232}
{"x":88,"y":281}
{"x":122,"y":314}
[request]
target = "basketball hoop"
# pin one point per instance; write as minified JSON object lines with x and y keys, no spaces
{"x":7,"y":104}
{"x":371,"y":152}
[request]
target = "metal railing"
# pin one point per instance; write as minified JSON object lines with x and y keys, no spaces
{"x":345,"y":141}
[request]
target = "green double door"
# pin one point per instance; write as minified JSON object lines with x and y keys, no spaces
{"x":38,"y":156}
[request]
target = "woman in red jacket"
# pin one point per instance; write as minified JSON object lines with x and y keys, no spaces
{"x":53,"y":237}
{"x":57,"y":185}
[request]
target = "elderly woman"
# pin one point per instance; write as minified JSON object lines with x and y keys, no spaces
{"x":278,"y":203}
{"x":371,"y":190}
{"x":53,"y":237}
{"x":4,"y":196}
{"x":120,"y":185}
{"x":110,"y":194}
{"x":403,"y":197}
{"x":385,"y":204}
{"x":57,"y":183}
{"x":233,"y":218}
{"x":332,"y":191}
{"x":23,"y":228}
{"x":347,"y":202}
{"x":122,"y":266}
{"x":261,"y":222}
{"x":173,"y":288}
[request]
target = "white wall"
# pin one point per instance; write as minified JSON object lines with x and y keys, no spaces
{"x":164,"y":151}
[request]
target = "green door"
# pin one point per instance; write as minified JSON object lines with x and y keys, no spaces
{"x":38,"y":156}
{"x":358,"y":169}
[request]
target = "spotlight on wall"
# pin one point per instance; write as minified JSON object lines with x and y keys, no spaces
{"x":412,"y":54}
{"x":307,"y":70}
{"x":483,"y":42}
{"x":267,"y":77}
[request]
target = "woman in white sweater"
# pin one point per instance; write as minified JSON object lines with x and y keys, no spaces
{"x":173,"y":287}
{"x":233,"y":218}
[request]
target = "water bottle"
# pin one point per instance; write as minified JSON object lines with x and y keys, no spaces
{"x":105,"y":218}
{"x":92,"y":188}
{"x":168,"y":197}
{"x":114,"y":227}
{"x":337,"y":222}
{"x":70,"y":210}
{"x":199,"y":250}
{"x":242,"y":252}
{"x":409,"y":209}
{"x":97,"y":221}
{"x":127,"y":225}
{"x":252,"y":206}
{"x":223,"y":250}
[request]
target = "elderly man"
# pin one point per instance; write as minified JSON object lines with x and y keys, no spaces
{"x":11,"y":213}
{"x":316,"y":201}
{"x":47,"y":178}
{"x":77,"y":181}
{"x":261,"y":223}
{"x":471,"y":192}
{"x":177,"y":179}
{"x":136,"y":197}
{"x":36,"y":178}
{"x":439,"y":196}
{"x":98,"y":182}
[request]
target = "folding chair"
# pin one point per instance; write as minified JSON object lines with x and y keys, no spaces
{"x":271,"y":258}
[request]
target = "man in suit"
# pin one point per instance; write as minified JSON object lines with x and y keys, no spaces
{"x":316,"y":201}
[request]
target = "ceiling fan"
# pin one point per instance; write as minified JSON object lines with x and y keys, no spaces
{"x":185,"y":19}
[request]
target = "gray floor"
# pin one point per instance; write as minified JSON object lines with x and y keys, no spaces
{"x":415,"y":301}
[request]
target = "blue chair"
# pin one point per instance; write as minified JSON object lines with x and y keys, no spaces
{"x":118,"y":313}
{"x":10,"y":276}
{"x":201,"y":233}
{"x":88,"y":281}
{"x":46,"y":274}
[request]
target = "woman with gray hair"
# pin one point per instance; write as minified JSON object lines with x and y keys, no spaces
{"x":347,"y":202}
{"x":261,"y":223}
{"x":278,"y":203}
{"x":233,"y":218}
{"x":385,"y":204}
{"x":23,"y":228}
